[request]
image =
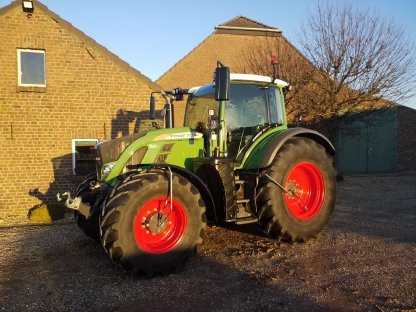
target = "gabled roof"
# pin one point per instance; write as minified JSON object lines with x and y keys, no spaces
{"x":237,"y":26}
{"x":86,"y":39}
{"x":242,"y":25}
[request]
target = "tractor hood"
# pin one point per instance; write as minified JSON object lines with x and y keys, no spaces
{"x":174,"y":146}
{"x":111,"y":150}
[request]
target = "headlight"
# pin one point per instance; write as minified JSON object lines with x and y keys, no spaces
{"x":105,"y":170}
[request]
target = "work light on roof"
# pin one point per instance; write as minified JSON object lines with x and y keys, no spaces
{"x":27,"y":6}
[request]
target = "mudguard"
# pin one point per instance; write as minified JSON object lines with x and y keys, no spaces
{"x":195,"y":180}
{"x":263,"y":154}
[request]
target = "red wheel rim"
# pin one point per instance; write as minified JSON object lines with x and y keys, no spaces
{"x":305,"y":194}
{"x":157,"y":229}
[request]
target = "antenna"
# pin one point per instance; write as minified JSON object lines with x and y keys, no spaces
{"x":274,"y":63}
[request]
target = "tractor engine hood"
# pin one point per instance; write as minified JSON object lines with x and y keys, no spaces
{"x":111,"y":150}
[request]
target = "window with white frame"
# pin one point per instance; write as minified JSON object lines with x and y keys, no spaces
{"x":31,"y":68}
{"x":83,"y":156}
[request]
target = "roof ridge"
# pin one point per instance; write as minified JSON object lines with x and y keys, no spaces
{"x":230,"y":22}
{"x":88,"y":40}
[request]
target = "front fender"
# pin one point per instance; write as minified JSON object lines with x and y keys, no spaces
{"x":190,"y":176}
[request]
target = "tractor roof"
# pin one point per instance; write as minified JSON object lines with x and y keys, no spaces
{"x":249,"y":77}
{"x":257,"y":78}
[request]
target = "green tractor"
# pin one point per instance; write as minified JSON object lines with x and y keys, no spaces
{"x":234,"y":161}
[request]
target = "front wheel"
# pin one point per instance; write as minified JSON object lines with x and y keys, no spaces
{"x":296,"y":195}
{"x":88,"y":225}
{"x":145,"y":230}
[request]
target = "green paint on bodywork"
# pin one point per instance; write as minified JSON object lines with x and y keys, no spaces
{"x":187,"y":144}
{"x":256,"y":152}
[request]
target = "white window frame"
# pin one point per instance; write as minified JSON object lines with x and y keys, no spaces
{"x":19,"y":67}
{"x":74,"y":159}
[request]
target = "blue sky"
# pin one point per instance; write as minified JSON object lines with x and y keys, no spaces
{"x":153,"y":35}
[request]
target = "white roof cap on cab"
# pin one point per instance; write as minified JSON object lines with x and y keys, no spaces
{"x":247,"y":77}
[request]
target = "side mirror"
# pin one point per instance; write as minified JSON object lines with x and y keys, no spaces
{"x":222,"y":83}
{"x":152,"y":107}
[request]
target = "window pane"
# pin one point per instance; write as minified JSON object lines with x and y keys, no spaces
{"x":276,"y":105}
{"x":246,"y":107}
{"x":32,"y":66}
{"x":199,"y":105}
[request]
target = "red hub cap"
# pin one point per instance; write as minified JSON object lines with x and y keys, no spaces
{"x":305,"y":186}
{"x":157,"y":228}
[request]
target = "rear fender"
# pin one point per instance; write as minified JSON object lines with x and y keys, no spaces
{"x":263,"y":155}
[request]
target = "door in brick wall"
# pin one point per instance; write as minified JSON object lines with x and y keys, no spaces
{"x":367,"y":144}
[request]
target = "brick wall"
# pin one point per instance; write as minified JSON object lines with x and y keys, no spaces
{"x":198,"y":66}
{"x":406,"y":139}
{"x":90,"y":94}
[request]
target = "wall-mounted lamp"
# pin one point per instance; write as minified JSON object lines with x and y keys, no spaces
{"x":27,"y":6}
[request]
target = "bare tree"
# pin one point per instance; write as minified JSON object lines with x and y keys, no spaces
{"x":365,"y":61}
{"x":292,"y":67}
{"x":350,"y":61}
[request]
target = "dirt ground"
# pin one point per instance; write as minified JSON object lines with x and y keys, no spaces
{"x":365,"y":260}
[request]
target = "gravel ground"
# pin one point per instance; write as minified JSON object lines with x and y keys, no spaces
{"x":363,"y":261}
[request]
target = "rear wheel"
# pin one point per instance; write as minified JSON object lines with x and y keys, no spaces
{"x":146,"y":231}
{"x":300,"y":211}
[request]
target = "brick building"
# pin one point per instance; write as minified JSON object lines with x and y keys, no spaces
{"x":60,"y":91}
{"x":227,"y":43}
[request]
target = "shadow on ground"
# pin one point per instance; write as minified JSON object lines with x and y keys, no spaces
{"x":45,"y":272}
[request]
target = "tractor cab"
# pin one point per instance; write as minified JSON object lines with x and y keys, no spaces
{"x":255,"y":104}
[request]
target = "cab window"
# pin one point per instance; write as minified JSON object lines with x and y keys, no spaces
{"x":198,"y":106}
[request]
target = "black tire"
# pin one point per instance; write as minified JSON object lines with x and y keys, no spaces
{"x":89,"y":226}
{"x":127,"y":230}
{"x":300,"y":166}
